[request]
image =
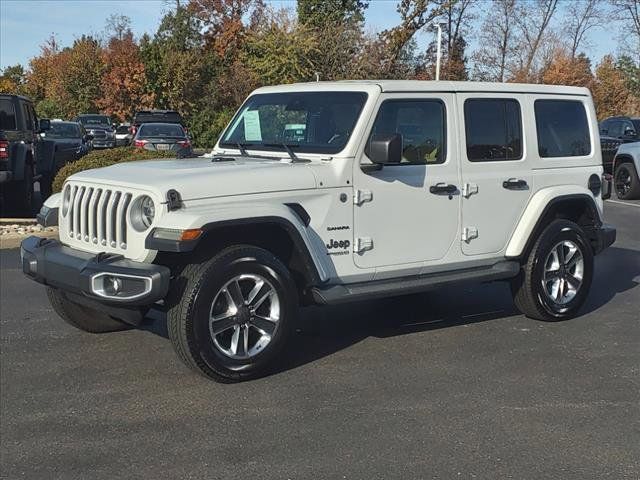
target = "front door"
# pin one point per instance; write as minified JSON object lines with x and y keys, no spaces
{"x":496,"y":171}
{"x":408,"y":213}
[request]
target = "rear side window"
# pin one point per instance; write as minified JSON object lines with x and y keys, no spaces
{"x":563,"y":129}
{"x":7,"y":115}
{"x":493,"y":129}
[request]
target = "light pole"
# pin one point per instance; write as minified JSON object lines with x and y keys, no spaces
{"x":439,"y":50}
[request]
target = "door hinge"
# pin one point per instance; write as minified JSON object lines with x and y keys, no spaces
{"x":363,"y":244}
{"x":469,"y":189}
{"x":469,"y":233}
{"x":362,"y":196}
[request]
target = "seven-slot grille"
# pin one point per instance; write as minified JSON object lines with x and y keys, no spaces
{"x":98,"y":216}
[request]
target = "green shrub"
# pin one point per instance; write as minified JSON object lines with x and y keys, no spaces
{"x":105,"y":158}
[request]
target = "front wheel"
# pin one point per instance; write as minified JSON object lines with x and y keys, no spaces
{"x":555,"y":281}
{"x":231,"y":319}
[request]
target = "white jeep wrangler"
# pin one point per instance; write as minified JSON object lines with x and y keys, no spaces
{"x":325,"y":193}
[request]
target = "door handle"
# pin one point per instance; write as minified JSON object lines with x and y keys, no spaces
{"x":515,"y":184}
{"x":443,"y":189}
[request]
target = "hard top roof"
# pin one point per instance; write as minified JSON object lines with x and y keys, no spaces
{"x":428,"y":86}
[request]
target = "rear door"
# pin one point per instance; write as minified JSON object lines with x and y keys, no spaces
{"x":496,"y":172}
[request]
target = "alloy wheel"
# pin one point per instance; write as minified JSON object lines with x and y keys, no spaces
{"x":563,"y":272}
{"x":244,"y":316}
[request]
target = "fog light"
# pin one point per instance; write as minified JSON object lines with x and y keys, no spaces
{"x":120,"y":286}
{"x":112,"y":286}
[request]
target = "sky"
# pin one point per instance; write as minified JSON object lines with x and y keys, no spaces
{"x":26,"y":24}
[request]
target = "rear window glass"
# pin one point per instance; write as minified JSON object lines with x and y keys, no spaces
{"x":493,"y":129}
{"x":563,"y":129}
{"x":151,"y":130}
{"x":7,"y":115}
{"x":122,"y":129}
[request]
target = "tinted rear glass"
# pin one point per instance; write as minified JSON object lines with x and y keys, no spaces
{"x":493,"y":129}
{"x":151,"y":130}
{"x":7,"y":115}
{"x":94,"y":120}
{"x":563,"y":128}
{"x":160,"y":117}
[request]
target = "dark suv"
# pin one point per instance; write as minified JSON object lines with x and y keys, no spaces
{"x":100,"y":128}
{"x":613,"y":132}
{"x":154,"y":116}
{"x":24,"y":156}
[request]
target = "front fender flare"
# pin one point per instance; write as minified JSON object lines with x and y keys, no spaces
{"x":283,"y":215}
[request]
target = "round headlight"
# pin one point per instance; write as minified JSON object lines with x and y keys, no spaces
{"x":143,"y":213}
{"x":66,"y":200}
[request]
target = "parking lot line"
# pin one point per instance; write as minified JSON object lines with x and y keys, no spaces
{"x":624,"y":203}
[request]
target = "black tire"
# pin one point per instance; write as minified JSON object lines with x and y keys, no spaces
{"x":527,"y":288}
{"x":19,"y":194}
{"x":81,"y":317}
{"x":626,"y":182}
{"x":190,"y":307}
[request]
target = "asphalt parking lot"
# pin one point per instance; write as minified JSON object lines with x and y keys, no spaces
{"x":450,"y":384}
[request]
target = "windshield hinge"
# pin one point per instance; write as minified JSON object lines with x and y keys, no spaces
{"x":362,"y":196}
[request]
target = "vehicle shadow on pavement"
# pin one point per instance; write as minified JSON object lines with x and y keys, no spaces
{"x":323,"y":331}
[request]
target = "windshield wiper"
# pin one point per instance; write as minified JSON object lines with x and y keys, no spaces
{"x":288,"y":149}
{"x":243,"y":150}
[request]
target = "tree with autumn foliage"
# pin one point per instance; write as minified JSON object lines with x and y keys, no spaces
{"x":124,"y":83}
{"x":610,"y":91}
{"x":568,"y":70}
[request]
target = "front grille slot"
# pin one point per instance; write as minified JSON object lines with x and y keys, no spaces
{"x":98,"y":216}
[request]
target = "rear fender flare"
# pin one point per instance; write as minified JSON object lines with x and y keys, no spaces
{"x":536,"y":209}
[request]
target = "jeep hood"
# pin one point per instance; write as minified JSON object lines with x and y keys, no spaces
{"x":198,"y":178}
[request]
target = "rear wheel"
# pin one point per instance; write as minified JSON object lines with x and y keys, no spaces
{"x":81,"y":317}
{"x":555,"y":281}
{"x":234,"y":315}
{"x":626,"y":182}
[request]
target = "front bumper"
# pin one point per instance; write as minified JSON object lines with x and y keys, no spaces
{"x":604,"y":237}
{"x":103,"y":143}
{"x":49,"y":262}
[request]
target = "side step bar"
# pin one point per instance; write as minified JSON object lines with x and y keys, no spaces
{"x":334,"y":294}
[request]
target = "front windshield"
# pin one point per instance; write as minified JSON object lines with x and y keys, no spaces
{"x":311,"y":122}
{"x":95,"y":120}
{"x":64,"y":130}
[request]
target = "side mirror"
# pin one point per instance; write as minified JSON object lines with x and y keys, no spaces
{"x":385,"y":149}
{"x":44,"y":124}
{"x":630,"y":132}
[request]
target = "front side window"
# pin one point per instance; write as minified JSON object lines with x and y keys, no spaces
{"x":422,"y":125}
{"x":493,"y":129}
{"x":7,"y":115}
{"x":308,"y":122}
{"x":563,"y":129}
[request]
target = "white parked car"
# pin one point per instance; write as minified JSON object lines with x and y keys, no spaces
{"x":325,"y":193}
